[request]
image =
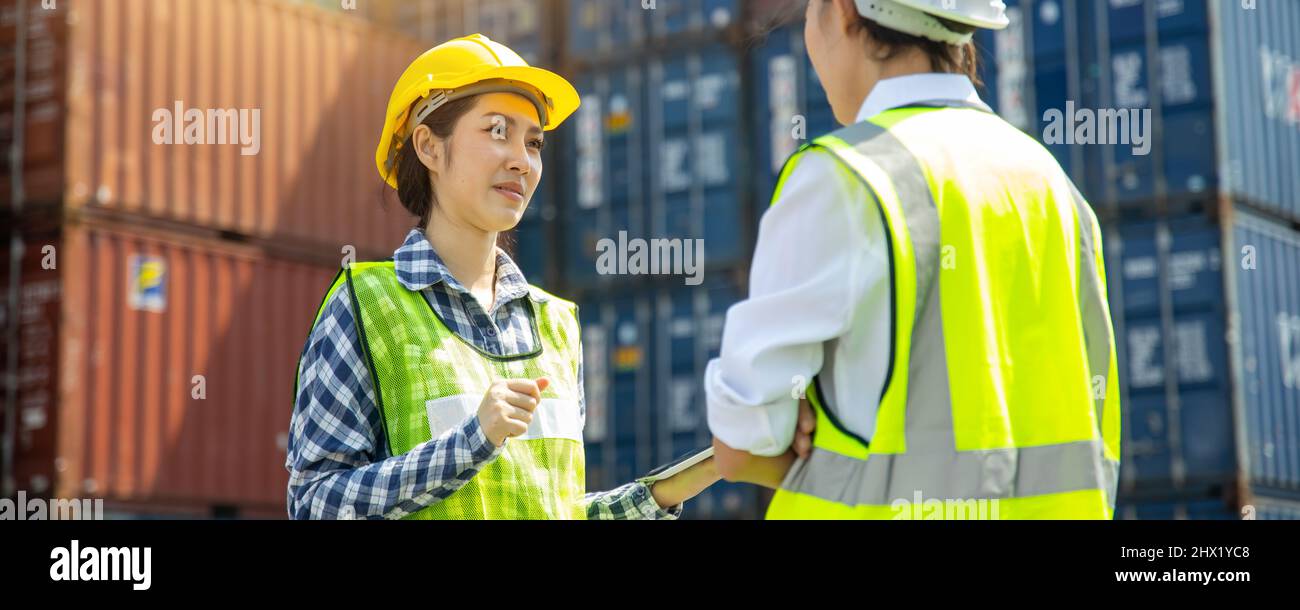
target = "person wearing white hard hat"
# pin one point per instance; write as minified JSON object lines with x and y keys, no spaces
{"x":439,"y":384}
{"x":936,"y":275}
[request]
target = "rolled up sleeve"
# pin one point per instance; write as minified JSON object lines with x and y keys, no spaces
{"x":803,"y":287}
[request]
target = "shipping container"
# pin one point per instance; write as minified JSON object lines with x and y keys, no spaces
{"x":1206,"y":86}
{"x":1272,"y":509}
{"x":1257,"y":63}
{"x":1167,"y":305}
{"x":195,"y":113}
{"x":36,"y":372}
{"x":1258,"y":508}
{"x":1206,"y":311}
{"x":1177,"y":509}
{"x":1031,"y":67}
{"x":644,"y":356}
{"x":44,"y":58}
{"x":619,"y":430}
{"x":688,"y":333}
{"x":1265,"y":267}
{"x":598,"y":28}
{"x":522,"y":25}
{"x":696,"y":178}
{"x":603,"y":31}
{"x":175,"y":358}
{"x":670,"y":18}
{"x":605,"y":172}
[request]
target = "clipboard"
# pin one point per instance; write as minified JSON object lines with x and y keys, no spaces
{"x":677,"y":466}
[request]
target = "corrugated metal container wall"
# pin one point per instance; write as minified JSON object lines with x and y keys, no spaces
{"x":600,"y":27}
{"x":605,"y":172}
{"x":516,"y":23}
{"x":1176,"y":58}
{"x":1209,"y":347}
{"x":139,"y":66}
{"x":1177,"y":509}
{"x":618,"y":354}
{"x":695,"y":174}
{"x":177,"y":362}
{"x":1258,"y":63}
{"x":1166,"y":297}
{"x":1272,"y":509}
{"x":45,"y":72}
{"x":674,"y":18}
{"x":1265,"y":261}
{"x":1156,"y":56}
{"x":37,"y":317}
{"x":688,"y":333}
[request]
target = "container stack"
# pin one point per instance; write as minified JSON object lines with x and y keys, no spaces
{"x":652,"y":156}
{"x":1202,"y":231}
{"x":163,"y":291}
{"x":192,"y":176}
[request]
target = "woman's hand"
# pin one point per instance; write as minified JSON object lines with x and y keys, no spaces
{"x":741,"y":466}
{"x":803,"y":432}
{"x":507,"y":408}
{"x":686,"y":484}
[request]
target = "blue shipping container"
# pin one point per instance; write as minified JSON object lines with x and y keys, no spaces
{"x":1209,"y":347}
{"x":602,"y":27}
{"x":1258,"y":66}
{"x":1220,"y":80}
{"x":605,"y":170}
{"x":1181,"y":509}
{"x":618,"y":27}
{"x":688,"y":328}
{"x":1265,"y":265}
{"x":619,"y":431}
{"x":1271,"y":509}
{"x":674,"y":17}
{"x":1166,"y":296}
{"x":694,"y":171}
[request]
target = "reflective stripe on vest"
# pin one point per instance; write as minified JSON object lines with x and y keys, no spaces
{"x":429,"y":381}
{"x":999,"y":321}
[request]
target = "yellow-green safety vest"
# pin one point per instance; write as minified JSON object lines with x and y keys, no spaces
{"x":428,"y":381}
{"x":1001,"y":397}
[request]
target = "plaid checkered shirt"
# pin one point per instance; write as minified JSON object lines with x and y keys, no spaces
{"x":338,"y":461}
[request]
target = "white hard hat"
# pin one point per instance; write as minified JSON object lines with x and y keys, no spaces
{"x":917,"y":17}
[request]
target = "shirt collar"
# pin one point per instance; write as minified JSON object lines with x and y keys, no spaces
{"x":418,"y":266}
{"x":914,"y":88}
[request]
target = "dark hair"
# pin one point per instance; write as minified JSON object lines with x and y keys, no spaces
{"x":944,"y":57}
{"x":413,"y":187}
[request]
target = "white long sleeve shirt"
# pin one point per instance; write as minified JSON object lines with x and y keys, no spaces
{"x":819,"y":297}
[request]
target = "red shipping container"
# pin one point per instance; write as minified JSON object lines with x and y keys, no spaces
{"x":175,"y":360}
{"x":289,"y":101}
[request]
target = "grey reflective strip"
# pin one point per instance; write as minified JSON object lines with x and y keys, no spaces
{"x":1097,"y":332}
{"x":932,"y":466}
{"x":954,"y":475}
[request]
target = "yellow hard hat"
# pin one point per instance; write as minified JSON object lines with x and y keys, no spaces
{"x":460,"y":68}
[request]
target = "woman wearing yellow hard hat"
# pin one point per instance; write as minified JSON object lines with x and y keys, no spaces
{"x":439,"y":384}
